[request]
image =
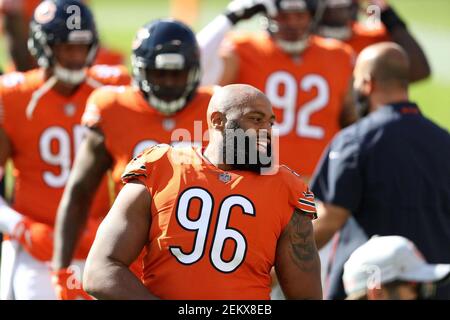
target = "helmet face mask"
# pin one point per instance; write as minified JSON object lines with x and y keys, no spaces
{"x":166,"y":64}
{"x":166,"y":84}
{"x":291,"y":27}
{"x":72,"y":77}
{"x":290,"y":30}
{"x":59,"y":23}
{"x":336,"y":20}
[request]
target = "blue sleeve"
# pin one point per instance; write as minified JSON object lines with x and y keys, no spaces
{"x":338,"y":179}
{"x":2,"y":187}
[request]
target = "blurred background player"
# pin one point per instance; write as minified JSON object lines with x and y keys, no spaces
{"x":383,"y":170}
{"x":383,"y":24}
{"x":125,"y":120}
{"x":306,"y":78}
{"x":391,"y":268}
{"x":16,"y":16}
{"x":40,"y":131}
{"x":267,"y":216}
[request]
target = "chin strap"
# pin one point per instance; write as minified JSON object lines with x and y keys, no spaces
{"x":73,"y":77}
{"x":165,"y":107}
{"x":37,"y":95}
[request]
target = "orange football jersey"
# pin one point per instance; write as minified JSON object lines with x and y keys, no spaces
{"x":362,"y":36}
{"x":45,"y":138}
{"x":109,"y":57}
{"x":213,"y":233}
{"x":307,"y":94}
{"x":28,"y":8}
{"x":130,"y":125}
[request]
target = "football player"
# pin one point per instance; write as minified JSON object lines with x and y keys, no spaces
{"x":212,"y":225}
{"x":165,"y":99}
{"x":40,"y":132}
{"x":385,"y":25}
{"x":16,"y":16}
{"x":306,"y":78}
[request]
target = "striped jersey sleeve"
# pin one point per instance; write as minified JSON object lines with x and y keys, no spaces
{"x":300,"y":196}
{"x":136,"y":169}
{"x":306,"y":203}
{"x":140,"y":166}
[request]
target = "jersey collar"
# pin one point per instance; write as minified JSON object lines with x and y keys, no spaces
{"x":405,"y":107}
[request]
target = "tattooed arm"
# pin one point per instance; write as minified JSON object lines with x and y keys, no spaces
{"x":297,"y":262}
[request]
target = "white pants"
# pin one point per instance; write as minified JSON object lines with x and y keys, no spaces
{"x":25,"y":278}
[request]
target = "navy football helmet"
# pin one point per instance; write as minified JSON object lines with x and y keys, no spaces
{"x":62,"y":21}
{"x":166,"y":45}
{"x":275,"y":28}
{"x":337,"y":19}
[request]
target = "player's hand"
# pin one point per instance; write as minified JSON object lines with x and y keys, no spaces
{"x":36,"y":238}
{"x":67,"y":286}
{"x":239,"y":10}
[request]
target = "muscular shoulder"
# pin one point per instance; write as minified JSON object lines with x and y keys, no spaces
{"x":289,"y":177}
{"x":296,"y":191}
{"x":108,"y":96}
{"x":16,"y":90}
{"x":206,"y":91}
{"x":247,"y":40}
{"x":141,"y":165}
{"x":335,"y":48}
{"x":110,"y":75}
{"x":109,"y":57}
{"x":104,"y":100}
{"x":16,"y":83}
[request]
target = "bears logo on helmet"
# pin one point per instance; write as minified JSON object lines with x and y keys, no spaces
{"x":45,"y":12}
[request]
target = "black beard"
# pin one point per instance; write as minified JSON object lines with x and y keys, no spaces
{"x":249,"y":148}
{"x":362,"y":104}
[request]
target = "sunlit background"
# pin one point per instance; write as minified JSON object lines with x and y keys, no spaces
{"x":429,"y":21}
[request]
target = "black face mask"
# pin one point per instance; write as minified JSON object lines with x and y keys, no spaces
{"x":249,"y":148}
{"x":168,"y":93}
{"x":362,"y":103}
